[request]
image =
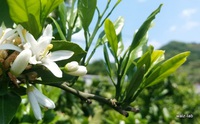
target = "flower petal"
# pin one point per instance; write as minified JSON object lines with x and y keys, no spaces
{"x":43,"y":100}
{"x":8,"y":32}
{"x":60,"y":55}
{"x":48,"y":31}
{"x":30,"y":39}
{"x":19,"y":31}
{"x":46,"y":35}
{"x":9,"y":47}
{"x":21,"y":62}
{"x":53,"y":67}
{"x":34,"y":104}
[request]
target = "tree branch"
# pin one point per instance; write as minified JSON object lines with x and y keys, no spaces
{"x":87,"y":97}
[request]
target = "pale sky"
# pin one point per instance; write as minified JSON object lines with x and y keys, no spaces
{"x":178,"y":20}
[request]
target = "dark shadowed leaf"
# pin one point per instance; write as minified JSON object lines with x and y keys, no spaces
{"x":8,"y":107}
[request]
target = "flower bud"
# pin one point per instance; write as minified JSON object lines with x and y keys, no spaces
{"x":72,"y":66}
{"x":80,"y":72}
{"x":21,"y":62}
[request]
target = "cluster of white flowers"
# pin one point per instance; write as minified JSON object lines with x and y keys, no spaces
{"x":31,"y":52}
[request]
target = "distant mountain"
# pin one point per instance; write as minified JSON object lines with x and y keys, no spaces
{"x":192,"y":66}
{"x":175,"y":47}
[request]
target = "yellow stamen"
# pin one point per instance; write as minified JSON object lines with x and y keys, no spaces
{"x":24,"y":32}
{"x":49,"y":47}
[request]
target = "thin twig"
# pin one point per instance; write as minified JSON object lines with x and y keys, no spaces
{"x":87,"y":97}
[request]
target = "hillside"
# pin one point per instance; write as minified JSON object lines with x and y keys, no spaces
{"x":192,"y":66}
{"x":176,"y":47}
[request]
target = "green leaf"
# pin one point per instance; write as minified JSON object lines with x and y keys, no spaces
{"x":65,"y":45}
{"x":8,"y":107}
{"x":111,"y":36}
{"x":62,"y":36}
{"x":47,"y":7}
{"x":63,"y":16}
{"x":86,"y":9}
{"x":144,"y":28}
{"x":31,"y":14}
{"x":165,"y":69}
{"x":27,"y":13}
{"x":157,"y":56}
{"x":133,"y":85}
{"x":4,"y":12}
{"x":106,"y":57}
{"x":118,"y":24}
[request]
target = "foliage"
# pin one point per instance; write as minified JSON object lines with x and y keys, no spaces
{"x":29,"y":57}
{"x":192,"y":63}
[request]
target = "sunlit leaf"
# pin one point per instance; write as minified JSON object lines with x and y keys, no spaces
{"x":111,"y":36}
{"x":165,"y":69}
{"x":47,"y":7}
{"x":144,"y":28}
{"x":157,"y":56}
{"x":86,"y":9}
{"x":118,"y":24}
{"x":27,"y":13}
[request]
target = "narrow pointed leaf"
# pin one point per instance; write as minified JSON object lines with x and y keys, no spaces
{"x":144,"y":28}
{"x":165,"y":69}
{"x":63,"y":16}
{"x":111,"y":36}
{"x":118,"y":24}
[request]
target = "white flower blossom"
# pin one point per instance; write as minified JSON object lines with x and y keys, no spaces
{"x":37,"y":99}
{"x":41,"y":54}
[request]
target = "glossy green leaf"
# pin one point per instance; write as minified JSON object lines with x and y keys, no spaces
{"x":65,"y":45}
{"x":86,"y":9}
{"x":47,"y":7}
{"x":31,"y":14}
{"x":157,"y":56}
{"x":27,"y":13}
{"x":118,"y":24}
{"x":8,"y":107}
{"x":144,"y":28}
{"x":111,"y":36}
{"x":63,"y":16}
{"x":165,"y":69}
